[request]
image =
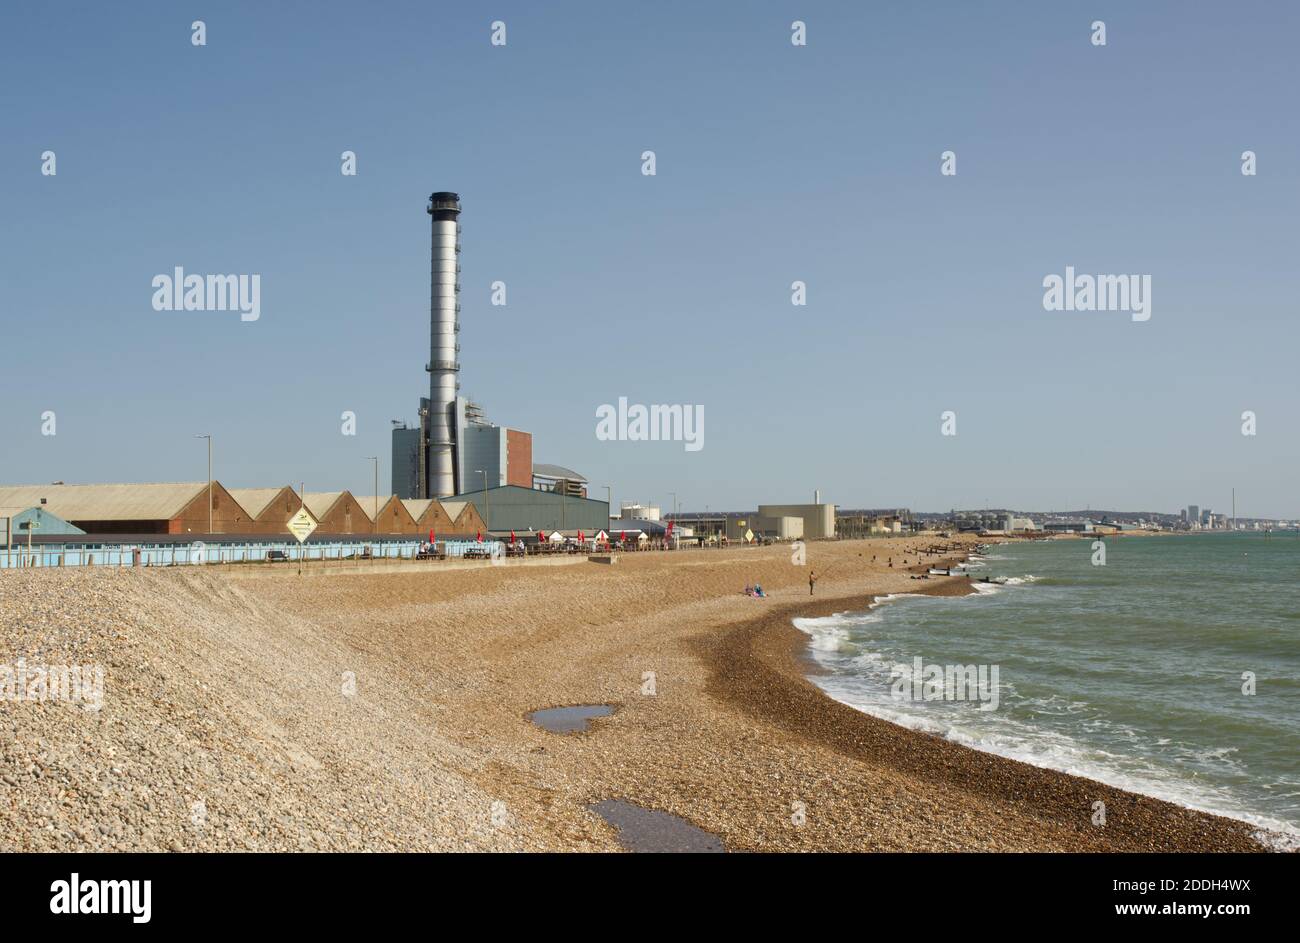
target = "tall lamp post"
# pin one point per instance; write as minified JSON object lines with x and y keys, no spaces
{"x":673,"y":495}
{"x":609,"y":505}
{"x":208,"y":436}
{"x":487,"y":508}
{"x":374,"y":521}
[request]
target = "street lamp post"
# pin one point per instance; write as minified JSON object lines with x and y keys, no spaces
{"x":673,"y":495}
{"x":487,"y":508}
{"x":208,"y":436}
{"x":609,"y":505}
{"x":374,"y":524}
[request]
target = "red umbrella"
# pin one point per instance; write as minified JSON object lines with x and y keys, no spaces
{"x":432,"y":538}
{"x":622,"y":536}
{"x":478,"y":536}
{"x":512,"y":536}
{"x":580,"y":537}
{"x":541,"y":536}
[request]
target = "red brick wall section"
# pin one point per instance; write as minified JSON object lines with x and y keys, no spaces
{"x":519,"y":458}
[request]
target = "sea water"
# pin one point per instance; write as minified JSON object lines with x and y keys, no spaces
{"x":1136,"y":673}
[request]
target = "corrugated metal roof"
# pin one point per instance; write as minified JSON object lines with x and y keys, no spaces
{"x":416,"y":506}
{"x":367,"y":503}
{"x":125,"y":502}
{"x":254,"y":500}
{"x":557,"y":471}
{"x":320,"y":502}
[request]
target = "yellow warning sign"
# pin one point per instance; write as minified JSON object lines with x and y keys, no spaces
{"x":301,"y":525}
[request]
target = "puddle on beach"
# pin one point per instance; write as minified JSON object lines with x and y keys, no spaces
{"x":647,"y":830}
{"x":569,"y":719}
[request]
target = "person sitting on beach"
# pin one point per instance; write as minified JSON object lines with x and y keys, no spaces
{"x":758,"y":591}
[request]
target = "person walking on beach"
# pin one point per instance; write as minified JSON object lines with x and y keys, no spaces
{"x":812,"y":581}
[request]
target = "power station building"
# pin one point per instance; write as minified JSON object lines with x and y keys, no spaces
{"x":454,"y":453}
{"x":453,"y":448}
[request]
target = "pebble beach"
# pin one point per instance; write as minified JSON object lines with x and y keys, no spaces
{"x":386,"y":707}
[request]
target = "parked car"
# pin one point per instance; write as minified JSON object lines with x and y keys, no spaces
{"x":276,"y":556}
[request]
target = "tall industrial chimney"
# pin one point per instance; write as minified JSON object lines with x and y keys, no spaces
{"x":444,"y":321}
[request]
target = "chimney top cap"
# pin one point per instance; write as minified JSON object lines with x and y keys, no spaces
{"x":444,"y":201}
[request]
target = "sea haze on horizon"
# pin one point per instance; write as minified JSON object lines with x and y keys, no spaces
{"x":1128,"y":673}
{"x":775,"y":163}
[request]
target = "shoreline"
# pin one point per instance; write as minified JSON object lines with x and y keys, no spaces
{"x":760,"y":667}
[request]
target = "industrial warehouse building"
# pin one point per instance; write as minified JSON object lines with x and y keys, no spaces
{"x":182,"y":509}
{"x":777,"y":521}
{"x":269,"y":508}
{"x":337,"y":512}
{"x":510,"y":507}
{"x":387,"y":514}
{"x":818,"y":519}
{"x":173,"y":508}
{"x":429,"y":515}
{"x":465,"y":518}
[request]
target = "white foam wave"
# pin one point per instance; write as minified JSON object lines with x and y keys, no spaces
{"x":881,"y":600}
{"x":830,"y":633}
{"x":1052,"y":750}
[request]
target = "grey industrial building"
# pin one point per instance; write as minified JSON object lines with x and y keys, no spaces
{"x":510,"y":507}
{"x":779,"y":521}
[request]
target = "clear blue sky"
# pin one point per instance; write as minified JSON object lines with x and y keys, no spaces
{"x":775,"y":163}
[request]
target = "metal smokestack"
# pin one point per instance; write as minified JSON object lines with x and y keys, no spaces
{"x":444,"y":327}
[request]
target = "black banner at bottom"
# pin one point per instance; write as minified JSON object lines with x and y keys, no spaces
{"x":140,"y":893}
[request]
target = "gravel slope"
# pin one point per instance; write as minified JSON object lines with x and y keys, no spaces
{"x":210,"y":698}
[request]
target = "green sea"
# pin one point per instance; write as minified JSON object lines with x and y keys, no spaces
{"x":1171,"y":670}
